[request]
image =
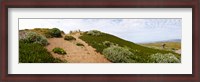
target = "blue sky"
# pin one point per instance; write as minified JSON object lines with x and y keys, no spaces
{"x":135,"y":30}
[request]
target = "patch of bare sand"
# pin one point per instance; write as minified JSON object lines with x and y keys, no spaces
{"x":75,"y":54}
{"x":178,"y":51}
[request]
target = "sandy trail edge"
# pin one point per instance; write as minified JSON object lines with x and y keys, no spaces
{"x":75,"y":54}
{"x":178,"y":51}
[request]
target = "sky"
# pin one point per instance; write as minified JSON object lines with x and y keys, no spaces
{"x":136,"y":30}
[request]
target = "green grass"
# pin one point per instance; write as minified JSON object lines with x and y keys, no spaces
{"x":142,"y":53}
{"x":35,"y":53}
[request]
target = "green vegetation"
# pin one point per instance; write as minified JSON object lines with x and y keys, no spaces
{"x":117,"y":50}
{"x":79,"y":44}
{"x":164,"y":58}
{"x":42,"y":31}
{"x":118,"y":54}
{"x":171,"y":46}
{"x":94,"y":33}
{"x":33,"y":37}
{"x":48,"y":33}
{"x":31,"y":47}
{"x":141,"y":54}
{"x":35,"y":53}
{"x":69,"y":37}
{"x":59,"y":51}
{"x":55,"y":32}
{"x":108,"y":43}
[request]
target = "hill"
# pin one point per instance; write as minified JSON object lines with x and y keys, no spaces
{"x":142,"y":54}
{"x":45,"y":46}
{"x":170,"y":46}
{"x":54,"y":46}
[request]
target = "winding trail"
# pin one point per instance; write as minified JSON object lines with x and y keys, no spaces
{"x":75,"y":54}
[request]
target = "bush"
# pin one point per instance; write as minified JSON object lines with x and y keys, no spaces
{"x":43,"y":31}
{"x":108,"y":43}
{"x":59,"y":51}
{"x":94,"y":33}
{"x":118,"y":54}
{"x":68,"y":37}
{"x":79,"y":44}
{"x":35,"y":53}
{"x":55,"y":32}
{"x":164,"y":58}
{"x":33,"y":37}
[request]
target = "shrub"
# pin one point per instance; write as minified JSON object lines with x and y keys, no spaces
{"x":33,"y":37}
{"x":94,"y":32}
{"x":79,"y":44}
{"x":118,"y":54}
{"x":43,"y":31}
{"x":108,"y":43}
{"x":62,"y":32}
{"x":48,"y":34}
{"x":35,"y":53}
{"x":59,"y":51}
{"x":141,"y":53}
{"x":164,"y":58}
{"x":55,"y":32}
{"x":69,"y":37}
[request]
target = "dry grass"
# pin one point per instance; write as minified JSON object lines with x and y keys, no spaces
{"x":169,"y":45}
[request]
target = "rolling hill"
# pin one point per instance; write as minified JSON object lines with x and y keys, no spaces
{"x":141,"y":54}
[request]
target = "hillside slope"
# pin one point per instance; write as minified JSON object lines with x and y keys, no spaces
{"x":141,"y":54}
{"x":170,"y":46}
{"x":88,"y":47}
{"x":75,"y":54}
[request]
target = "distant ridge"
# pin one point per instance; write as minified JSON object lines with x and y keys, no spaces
{"x":172,"y":40}
{"x":104,"y":42}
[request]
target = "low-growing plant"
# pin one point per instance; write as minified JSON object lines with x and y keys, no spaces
{"x":69,"y":37}
{"x":55,"y":32}
{"x":108,"y":43}
{"x":59,"y":51}
{"x":43,"y":31}
{"x":118,"y":54}
{"x":79,"y":44}
{"x":94,"y":33}
{"x":35,"y":53}
{"x":164,"y":58}
{"x":33,"y":37}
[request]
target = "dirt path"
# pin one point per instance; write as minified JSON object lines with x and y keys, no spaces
{"x":75,"y":54}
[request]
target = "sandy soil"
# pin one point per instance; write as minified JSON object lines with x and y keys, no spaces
{"x":75,"y":54}
{"x":178,"y":51}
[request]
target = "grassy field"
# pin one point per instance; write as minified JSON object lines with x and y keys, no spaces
{"x":141,"y":54}
{"x":171,"y":46}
